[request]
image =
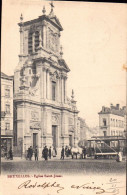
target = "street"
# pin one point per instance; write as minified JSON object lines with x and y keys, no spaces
{"x":67,"y":166}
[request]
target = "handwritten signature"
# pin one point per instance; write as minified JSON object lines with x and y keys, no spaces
{"x":113,"y":187}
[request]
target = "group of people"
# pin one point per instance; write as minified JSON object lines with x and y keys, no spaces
{"x":46,"y":153}
{"x":30,"y":152}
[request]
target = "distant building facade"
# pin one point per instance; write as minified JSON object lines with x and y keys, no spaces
{"x":112,"y":120}
{"x":6,"y":113}
{"x":44,"y":115}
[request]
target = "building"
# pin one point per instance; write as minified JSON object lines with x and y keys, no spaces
{"x":112,"y":120}
{"x":44,"y":115}
{"x":83,"y":129}
{"x":6,"y":113}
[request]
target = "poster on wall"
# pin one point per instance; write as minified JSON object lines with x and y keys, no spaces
{"x":63,"y":98}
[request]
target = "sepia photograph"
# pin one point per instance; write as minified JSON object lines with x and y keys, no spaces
{"x":63,"y":98}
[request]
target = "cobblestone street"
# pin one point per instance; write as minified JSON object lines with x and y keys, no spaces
{"x":67,"y":166}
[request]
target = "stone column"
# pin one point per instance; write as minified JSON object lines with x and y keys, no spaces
{"x":65,"y":89}
{"x":62,"y":94}
{"x":33,"y":42}
{"x":40,"y":39}
{"x":21,"y":40}
{"x":47,"y":84}
{"x":58,"y":90}
{"x":44,"y":34}
{"x":44,"y":83}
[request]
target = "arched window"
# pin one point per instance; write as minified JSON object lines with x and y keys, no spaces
{"x":33,"y":41}
{"x":36,"y":40}
{"x":30,"y":43}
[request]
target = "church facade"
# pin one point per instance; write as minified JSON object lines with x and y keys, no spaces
{"x":43,"y":114}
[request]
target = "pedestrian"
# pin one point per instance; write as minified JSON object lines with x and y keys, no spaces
{"x":30,"y":152}
{"x":84,"y":153}
{"x":50,"y":152}
{"x":54,"y":152}
{"x":66,"y":151}
{"x":36,"y":153}
{"x":10,"y":154}
{"x":45,"y":153}
{"x":62,"y":153}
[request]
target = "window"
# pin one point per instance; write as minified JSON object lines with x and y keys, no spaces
{"x":7,"y":108}
{"x":104,"y":122}
{"x":53,"y":91}
{"x":36,"y":40}
{"x":7,"y":126}
{"x":29,"y":71}
{"x":30,"y":43}
{"x":33,"y":41}
{"x":7,"y":92}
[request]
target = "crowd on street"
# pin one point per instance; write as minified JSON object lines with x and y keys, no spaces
{"x":48,"y":153}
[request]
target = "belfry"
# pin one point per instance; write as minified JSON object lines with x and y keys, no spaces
{"x":43,"y":114}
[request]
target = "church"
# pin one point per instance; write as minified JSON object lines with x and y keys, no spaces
{"x":43,"y":114}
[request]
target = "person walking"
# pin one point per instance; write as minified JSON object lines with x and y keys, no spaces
{"x":62,"y":153}
{"x":54,"y":152}
{"x":36,"y":153}
{"x":45,"y":153}
{"x":30,"y":152}
{"x":10,"y":154}
{"x":50,"y":152}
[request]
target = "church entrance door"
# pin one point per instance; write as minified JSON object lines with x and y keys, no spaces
{"x":55,"y":136}
{"x":34,"y":140}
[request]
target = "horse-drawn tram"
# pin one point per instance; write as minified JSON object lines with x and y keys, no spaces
{"x":105,"y":147}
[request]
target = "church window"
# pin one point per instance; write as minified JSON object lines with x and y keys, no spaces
{"x":7,"y":126}
{"x":7,"y":108}
{"x":33,"y":41}
{"x":36,"y":40}
{"x":53,"y":90}
{"x":7,"y":92}
{"x":30,"y":43}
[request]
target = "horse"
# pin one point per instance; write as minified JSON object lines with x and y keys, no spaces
{"x":75,"y":151}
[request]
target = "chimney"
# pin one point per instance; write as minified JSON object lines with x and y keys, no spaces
{"x":103,"y":109}
{"x":117,"y":106}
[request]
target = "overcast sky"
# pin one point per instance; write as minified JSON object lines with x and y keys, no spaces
{"x":94,"y":44}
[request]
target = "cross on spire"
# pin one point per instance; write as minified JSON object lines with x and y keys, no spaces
{"x":52,"y":6}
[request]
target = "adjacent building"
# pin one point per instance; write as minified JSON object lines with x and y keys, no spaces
{"x":43,"y":113}
{"x":112,"y":120}
{"x":6,"y":113}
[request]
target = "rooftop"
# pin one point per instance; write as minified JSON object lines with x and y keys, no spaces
{"x":116,"y":110}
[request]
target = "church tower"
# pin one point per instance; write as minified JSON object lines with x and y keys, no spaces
{"x":43,"y":114}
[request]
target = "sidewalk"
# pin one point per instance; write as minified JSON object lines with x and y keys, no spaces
{"x":19,"y":159}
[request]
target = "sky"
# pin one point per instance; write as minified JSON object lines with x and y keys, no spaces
{"x":94,"y":43}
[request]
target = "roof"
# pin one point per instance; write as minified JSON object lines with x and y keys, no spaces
{"x":3,"y":75}
{"x":54,"y":20}
{"x":113,"y":110}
